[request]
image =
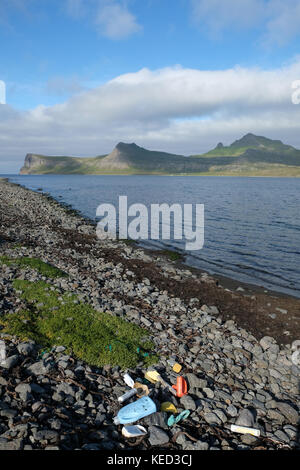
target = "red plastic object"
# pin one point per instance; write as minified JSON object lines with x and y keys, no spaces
{"x":180,"y":387}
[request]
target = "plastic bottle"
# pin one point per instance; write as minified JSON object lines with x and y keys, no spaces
{"x":128,"y":380}
{"x":135,"y":411}
{"x":127,"y":395}
{"x":2,"y":352}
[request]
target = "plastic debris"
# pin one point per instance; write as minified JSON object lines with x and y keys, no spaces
{"x":128,"y":380}
{"x":134,"y":431}
{"x":135,"y":411}
{"x":144,"y":354}
{"x":168,"y":407}
{"x":153,"y":376}
{"x":245,"y":430}
{"x":176,"y":419}
{"x":2,"y":352}
{"x":177,"y":368}
{"x":141,"y":389}
{"x":180,"y":387}
{"x":127,"y":395}
{"x":137,"y":388}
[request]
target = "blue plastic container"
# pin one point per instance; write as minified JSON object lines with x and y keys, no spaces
{"x":135,"y":411}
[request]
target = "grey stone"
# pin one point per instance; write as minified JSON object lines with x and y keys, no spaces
{"x":10,"y":362}
{"x":195,"y":382}
{"x":157,"y":436}
{"x":200,"y":445}
{"x":248,"y":439}
{"x":266,"y":342}
{"x":188,"y":403}
{"x":23,"y":388}
{"x":289,"y":412}
{"x":8,"y":413}
{"x":38,"y":368}
{"x":212,"y":418}
{"x":26,"y":348}
{"x":282,"y":436}
{"x":208,"y":392}
{"x":232,"y":411}
{"x":66,"y":388}
{"x":16,"y":444}
{"x":245,"y":418}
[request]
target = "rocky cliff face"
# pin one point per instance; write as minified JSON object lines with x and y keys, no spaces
{"x":32,"y":162}
{"x":119,"y":158}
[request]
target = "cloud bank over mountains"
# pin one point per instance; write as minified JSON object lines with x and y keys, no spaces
{"x":173,"y":109}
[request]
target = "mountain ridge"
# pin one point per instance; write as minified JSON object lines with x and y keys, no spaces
{"x":251,"y":155}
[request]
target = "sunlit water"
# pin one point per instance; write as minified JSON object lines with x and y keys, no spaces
{"x":252,"y":225}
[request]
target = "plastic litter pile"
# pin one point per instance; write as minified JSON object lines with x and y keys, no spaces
{"x":145,"y":406}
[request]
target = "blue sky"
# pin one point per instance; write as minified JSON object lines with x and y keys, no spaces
{"x":141,"y":64}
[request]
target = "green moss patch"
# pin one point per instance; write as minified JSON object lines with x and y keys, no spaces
{"x":97,"y":338}
{"x":35,"y":263}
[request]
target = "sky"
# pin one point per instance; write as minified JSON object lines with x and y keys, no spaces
{"x":79,"y":76}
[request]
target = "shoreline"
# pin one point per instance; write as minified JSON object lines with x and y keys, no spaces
{"x":157,"y":174}
{"x":233,"y":354}
{"x":260,"y":308}
{"x":267,"y":302}
{"x":227,"y":282}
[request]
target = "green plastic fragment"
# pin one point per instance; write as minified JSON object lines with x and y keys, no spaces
{"x":176,"y":419}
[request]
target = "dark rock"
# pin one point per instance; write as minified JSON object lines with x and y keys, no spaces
{"x":289,"y":412}
{"x":246,"y":418}
{"x":157,"y":436}
{"x":157,"y":419}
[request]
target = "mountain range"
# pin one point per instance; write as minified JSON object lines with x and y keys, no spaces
{"x":249,"y":156}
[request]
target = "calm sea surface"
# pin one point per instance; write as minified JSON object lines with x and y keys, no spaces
{"x":252,"y":225}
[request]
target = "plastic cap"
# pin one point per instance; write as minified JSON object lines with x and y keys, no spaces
{"x":116,"y":420}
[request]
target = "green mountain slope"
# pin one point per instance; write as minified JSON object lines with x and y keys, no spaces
{"x":249,"y":156}
{"x":249,"y":141}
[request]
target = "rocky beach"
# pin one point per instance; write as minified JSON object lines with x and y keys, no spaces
{"x":237,"y":345}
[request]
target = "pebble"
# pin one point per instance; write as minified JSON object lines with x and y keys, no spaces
{"x":245,"y":418}
{"x":188,"y":403}
{"x":157,"y":436}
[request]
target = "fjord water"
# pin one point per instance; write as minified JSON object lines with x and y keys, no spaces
{"x":252,"y":225}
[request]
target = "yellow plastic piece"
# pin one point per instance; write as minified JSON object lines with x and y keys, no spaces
{"x":153,"y":376}
{"x":168,"y":407}
{"x":245,"y":430}
{"x":177,"y":368}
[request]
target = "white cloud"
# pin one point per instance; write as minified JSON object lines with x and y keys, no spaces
{"x":278,"y":19}
{"x":115,"y":21}
{"x":111,"y":18}
{"x":173,"y":109}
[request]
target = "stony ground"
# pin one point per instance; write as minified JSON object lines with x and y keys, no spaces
{"x":52,"y":400}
